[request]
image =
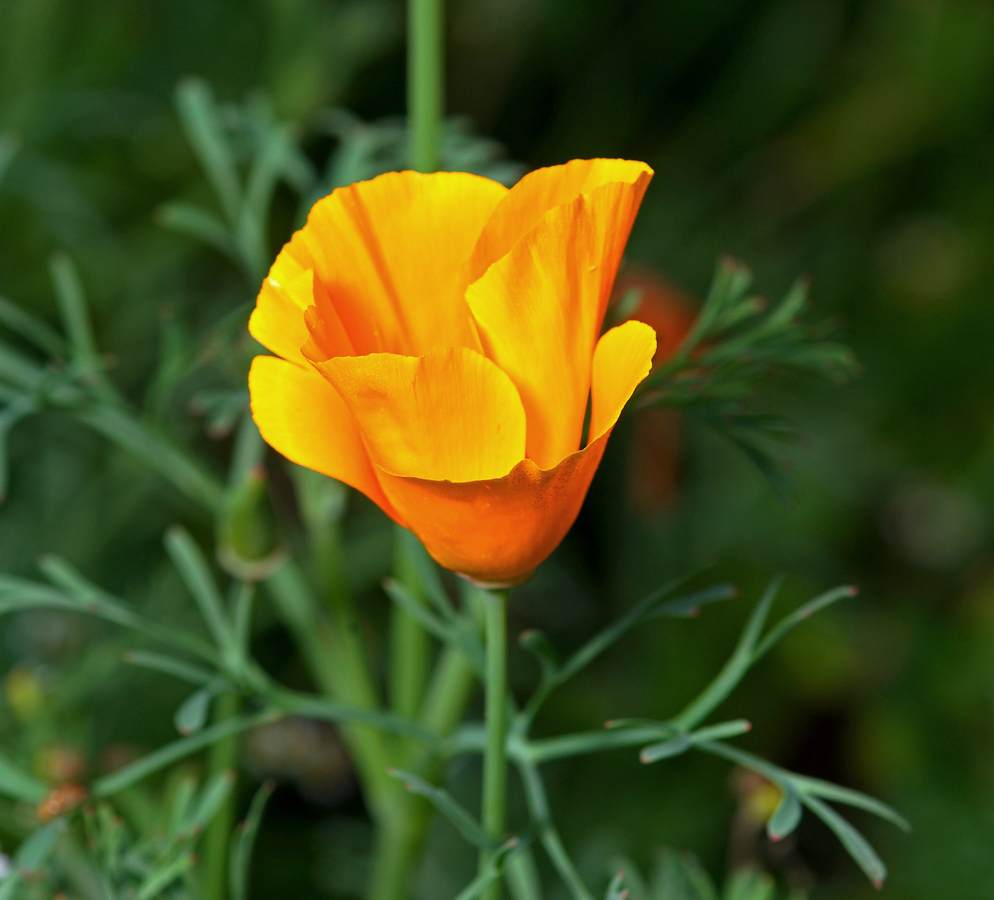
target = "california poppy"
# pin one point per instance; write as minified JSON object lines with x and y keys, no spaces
{"x":438,"y":339}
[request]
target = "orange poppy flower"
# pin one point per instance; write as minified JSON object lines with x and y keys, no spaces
{"x":438,"y":339}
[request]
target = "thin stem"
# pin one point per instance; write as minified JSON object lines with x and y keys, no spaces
{"x":410,"y":647}
{"x":425,"y":81}
{"x":495,"y":754}
{"x":538,"y":805}
{"x":223,"y":757}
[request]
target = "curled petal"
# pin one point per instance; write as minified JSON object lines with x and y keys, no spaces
{"x":622,"y":360}
{"x":539,"y":310}
{"x":303,"y":417}
{"x":449,"y":415}
{"x":538,"y":192}
{"x":390,"y":254}
{"x":277,"y":322}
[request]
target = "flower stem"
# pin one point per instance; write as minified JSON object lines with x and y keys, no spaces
{"x":223,"y":758}
{"x":425,"y":81}
{"x":495,"y":757}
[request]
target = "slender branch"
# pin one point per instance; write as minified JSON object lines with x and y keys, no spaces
{"x":495,"y":754}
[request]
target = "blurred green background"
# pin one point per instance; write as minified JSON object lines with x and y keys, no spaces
{"x":852,"y":141}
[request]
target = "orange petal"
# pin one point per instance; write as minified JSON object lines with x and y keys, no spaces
{"x":621,"y":361}
{"x":539,"y":310}
{"x":497,"y":531}
{"x":391,"y":255}
{"x":540,"y":191}
{"x":302,"y":416}
{"x":449,"y":415}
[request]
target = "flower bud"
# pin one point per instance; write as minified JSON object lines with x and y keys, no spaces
{"x":247,"y":543}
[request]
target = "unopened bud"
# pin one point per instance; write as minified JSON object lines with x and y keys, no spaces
{"x":247,"y":543}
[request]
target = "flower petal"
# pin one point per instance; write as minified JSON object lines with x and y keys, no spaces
{"x":497,"y":531}
{"x":277,"y":322}
{"x":303,"y":417}
{"x":622,"y":360}
{"x":538,"y":192}
{"x":539,"y":310}
{"x":391,"y":255}
{"x":449,"y":415}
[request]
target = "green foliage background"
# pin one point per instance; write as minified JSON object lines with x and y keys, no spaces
{"x":848,"y":140}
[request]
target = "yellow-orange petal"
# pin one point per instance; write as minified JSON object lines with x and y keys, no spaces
{"x":622,"y":360}
{"x":539,"y":310}
{"x":277,"y":322}
{"x":391,"y":255}
{"x":303,"y":417}
{"x":449,"y":415}
{"x":538,"y":192}
{"x":497,"y":531}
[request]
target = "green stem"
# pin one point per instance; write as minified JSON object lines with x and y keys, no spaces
{"x":398,"y":847}
{"x":495,"y":753}
{"x":410,"y":647}
{"x":538,"y":805}
{"x":223,"y":757}
{"x":334,"y":656}
{"x":425,"y":81}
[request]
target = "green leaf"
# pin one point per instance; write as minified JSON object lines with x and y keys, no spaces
{"x":679,"y":876}
{"x":536,"y":643}
{"x":786,"y":817}
{"x":168,"y":665}
{"x":196,"y":573}
{"x":443,"y":801}
{"x":71,"y":301}
{"x":38,"y":846}
{"x":828,"y":791}
{"x":9,"y":885}
{"x":521,"y":875}
{"x":131,"y":774}
{"x":749,"y":884}
{"x":851,"y":839}
{"x":215,"y":792}
{"x":17,"y":784}
{"x":802,"y":614}
{"x":80,"y":595}
{"x":604,"y":639}
{"x":317,"y":707}
{"x":32,"y":329}
{"x":19,"y":408}
{"x":854,"y":842}
{"x":421,"y":568}
{"x":492,"y":872}
{"x":733,"y":670}
{"x":197,"y":223}
{"x":680,"y":744}
{"x":241,"y":850}
{"x":202,"y":124}
{"x":192,"y":713}
{"x":160,"y":878}
{"x":182,"y":804}
{"x":616,"y":889}
{"x":400,"y":595}
{"x":690,"y":606}
{"x":20,"y":371}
